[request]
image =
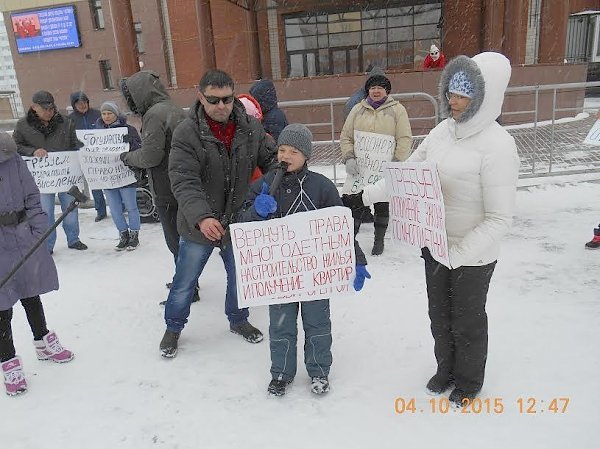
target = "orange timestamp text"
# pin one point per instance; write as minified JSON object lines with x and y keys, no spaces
{"x":478,"y":406}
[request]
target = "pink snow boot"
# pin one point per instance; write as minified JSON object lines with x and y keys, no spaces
{"x":14,"y":379}
{"x":49,"y":348}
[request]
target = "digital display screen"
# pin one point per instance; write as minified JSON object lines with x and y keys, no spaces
{"x":45,"y":29}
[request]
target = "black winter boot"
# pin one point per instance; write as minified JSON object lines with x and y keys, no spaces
{"x":134,"y":240}
{"x":124,"y":241}
{"x":378,"y":243}
{"x":595,"y":242}
{"x":380,"y":223}
{"x":461,"y":398}
{"x":277,"y":387}
{"x":438,"y":384}
{"x":168,"y":344}
{"x":319,"y":384}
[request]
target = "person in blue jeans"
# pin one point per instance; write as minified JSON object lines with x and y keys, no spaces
{"x":214,"y":153}
{"x":122,"y":197}
{"x":70,"y":224}
{"x":85,"y":117}
{"x":301,"y":190}
{"x":45,"y":130}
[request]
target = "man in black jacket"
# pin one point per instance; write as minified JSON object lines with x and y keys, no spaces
{"x":146,"y":95}
{"x":45,"y":130}
{"x":215,"y":152}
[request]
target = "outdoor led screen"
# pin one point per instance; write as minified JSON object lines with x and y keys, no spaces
{"x":45,"y":29}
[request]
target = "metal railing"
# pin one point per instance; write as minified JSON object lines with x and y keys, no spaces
{"x":546,"y":147}
{"x":335,"y":127}
{"x":547,"y":151}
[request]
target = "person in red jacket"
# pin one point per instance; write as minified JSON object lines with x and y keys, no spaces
{"x":253,"y":108}
{"x":435,"y":59}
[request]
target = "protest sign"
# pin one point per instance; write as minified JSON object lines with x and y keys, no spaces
{"x":371,"y":151}
{"x":301,"y":257}
{"x":593,"y":137}
{"x":417,"y":214}
{"x":57,"y":172}
{"x":99,"y":157}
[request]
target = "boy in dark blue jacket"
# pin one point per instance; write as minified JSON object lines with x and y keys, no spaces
{"x":300,"y":190}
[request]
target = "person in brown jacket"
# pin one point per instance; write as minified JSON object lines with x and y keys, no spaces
{"x":377,"y":130}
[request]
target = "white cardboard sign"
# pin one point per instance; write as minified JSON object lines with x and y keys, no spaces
{"x":593,"y":137}
{"x":302,"y":257}
{"x":100,"y":162}
{"x":57,"y":172}
{"x":417,"y":213}
{"x":372,"y":150}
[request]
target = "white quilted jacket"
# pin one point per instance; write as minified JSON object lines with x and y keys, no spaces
{"x":477,"y":163}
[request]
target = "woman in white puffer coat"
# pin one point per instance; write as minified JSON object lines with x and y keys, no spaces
{"x":478,"y":166}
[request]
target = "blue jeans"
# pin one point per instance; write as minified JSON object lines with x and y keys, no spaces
{"x":117,"y":198}
{"x":71,"y":222}
{"x":99,"y":203}
{"x":190,"y":262}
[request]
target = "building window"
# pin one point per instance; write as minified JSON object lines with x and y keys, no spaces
{"x":97,"y":14}
{"x":106,"y":74}
{"x":139,"y":40}
{"x":321,"y":43}
{"x":580,"y":35}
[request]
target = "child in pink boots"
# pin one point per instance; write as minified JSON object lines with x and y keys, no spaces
{"x":22,"y":222}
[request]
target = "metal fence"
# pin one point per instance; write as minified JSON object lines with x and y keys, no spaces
{"x":550,"y":147}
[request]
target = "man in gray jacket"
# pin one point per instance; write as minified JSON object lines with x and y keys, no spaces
{"x":146,"y":95}
{"x":215,"y":152}
{"x":45,"y":130}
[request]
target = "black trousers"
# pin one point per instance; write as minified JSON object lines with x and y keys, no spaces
{"x":381,"y":217}
{"x":168,"y":221}
{"x":37,"y":323}
{"x":458,"y":320}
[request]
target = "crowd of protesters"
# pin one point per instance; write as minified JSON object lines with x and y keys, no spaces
{"x":213,"y":166}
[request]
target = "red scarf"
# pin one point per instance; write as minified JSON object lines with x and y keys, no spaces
{"x":222,"y":131}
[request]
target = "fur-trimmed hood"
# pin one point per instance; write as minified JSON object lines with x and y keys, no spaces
{"x":489,"y":72}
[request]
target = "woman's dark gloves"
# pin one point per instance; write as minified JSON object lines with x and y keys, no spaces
{"x":353,"y":201}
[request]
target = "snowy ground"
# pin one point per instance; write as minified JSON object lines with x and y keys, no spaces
{"x":543,"y":307}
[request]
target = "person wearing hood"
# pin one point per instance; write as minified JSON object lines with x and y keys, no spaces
{"x":478,"y":166}
{"x":301,"y":190}
{"x":274,"y":119}
{"x":377,"y":114}
{"x":253,"y":109}
{"x":215,"y":152}
{"x":122,"y":198}
{"x":146,"y":95}
{"x":85,"y":117}
{"x":435,"y":59}
{"x":22,"y":223}
{"x":45,"y":130}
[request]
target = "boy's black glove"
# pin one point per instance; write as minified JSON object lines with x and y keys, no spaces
{"x":353,"y":201}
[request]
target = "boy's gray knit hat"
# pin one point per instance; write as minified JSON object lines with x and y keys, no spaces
{"x":297,"y":136}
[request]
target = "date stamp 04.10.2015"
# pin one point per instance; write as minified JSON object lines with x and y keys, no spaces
{"x":477,"y":406}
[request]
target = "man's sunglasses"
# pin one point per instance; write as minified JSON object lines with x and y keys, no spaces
{"x":215,"y":100}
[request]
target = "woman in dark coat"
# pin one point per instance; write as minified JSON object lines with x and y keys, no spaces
{"x":22,"y":223}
